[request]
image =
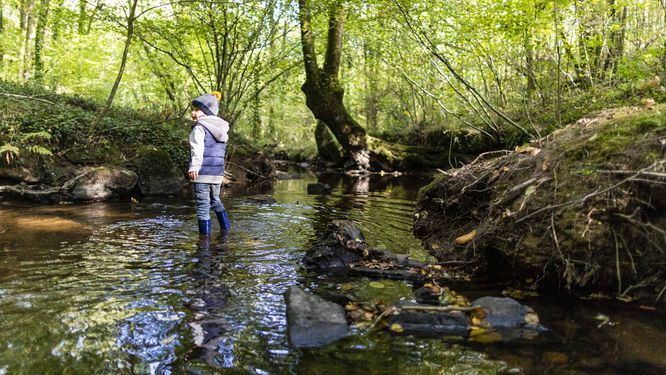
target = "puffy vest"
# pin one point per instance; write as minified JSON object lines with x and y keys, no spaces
{"x":213,"y":157}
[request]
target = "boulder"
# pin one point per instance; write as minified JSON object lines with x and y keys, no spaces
{"x":158,"y":174}
{"x":312,"y":321}
{"x":318,"y":188}
{"x":103,"y":182}
{"x":343,"y":244}
{"x":28,"y":169}
{"x":429,"y":324}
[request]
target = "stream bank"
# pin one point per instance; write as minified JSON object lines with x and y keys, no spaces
{"x":582,"y":210}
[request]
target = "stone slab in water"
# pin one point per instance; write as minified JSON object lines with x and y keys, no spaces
{"x":312,"y":321}
{"x":502,"y":312}
{"x":431,"y":324}
{"x":318,"y":188}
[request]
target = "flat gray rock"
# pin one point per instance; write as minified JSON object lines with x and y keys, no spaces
{"x":312,"y":321}
{"x":103,"y":182}
{"x":502,"y":312}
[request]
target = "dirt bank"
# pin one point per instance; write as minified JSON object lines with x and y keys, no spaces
{"x":582,"y":210}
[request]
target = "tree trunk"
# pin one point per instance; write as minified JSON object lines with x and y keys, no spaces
{"x":2,"y":29}
{"x":42,"y":19}
{"x":57,"y":23}
{"x":371,"y":95}
{"x":81,"y":25}
{"x":27,"y":26}
{"x":123,"y":62}
{"x":663,"y":54}
{"x":529,"y":65}
{"x":327,"y":147}
{"x":323,"y":92}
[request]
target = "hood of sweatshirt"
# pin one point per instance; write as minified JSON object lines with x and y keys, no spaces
{"x":216,"y":126}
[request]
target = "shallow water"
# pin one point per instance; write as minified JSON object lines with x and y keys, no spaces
{"x":108,"y":288}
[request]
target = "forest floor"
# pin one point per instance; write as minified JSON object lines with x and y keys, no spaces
{"x":582,"y":209}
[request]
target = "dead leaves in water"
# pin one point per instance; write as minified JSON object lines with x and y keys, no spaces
{"x":365,"y":314}
{"x":519,"y":293}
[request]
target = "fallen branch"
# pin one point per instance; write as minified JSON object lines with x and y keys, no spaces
{"x":25,"y":97}
{"x":593,"y":194}
{"x":21,"y":189}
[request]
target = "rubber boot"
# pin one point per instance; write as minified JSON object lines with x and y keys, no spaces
{"x":204,"y":227}
{"x":224,"y":220}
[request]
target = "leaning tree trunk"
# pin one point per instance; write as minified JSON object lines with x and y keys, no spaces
{"x":327,"y":148}
{"x":322,"y":88}
{"x":123,"y":62}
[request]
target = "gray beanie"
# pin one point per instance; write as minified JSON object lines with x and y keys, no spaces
{"x":207,"y":103}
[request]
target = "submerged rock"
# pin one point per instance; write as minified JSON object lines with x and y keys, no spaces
{"x":319,"y":188}
{"x":502,"y":312}
{"x":508,"y":317}
{"x":313,"y":321}
{"x":429,"y":324}
{"x":343,"y":244}
{"x":261,"y":199}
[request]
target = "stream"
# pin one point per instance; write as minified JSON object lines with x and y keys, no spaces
{"x":112,"y":288}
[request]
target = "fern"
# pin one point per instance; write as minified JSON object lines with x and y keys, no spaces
{"x":39,"y":150}
{"x":9,"y":148}
{"x":41,"y":134}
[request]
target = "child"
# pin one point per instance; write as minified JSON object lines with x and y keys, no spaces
{"x":208,"y":141}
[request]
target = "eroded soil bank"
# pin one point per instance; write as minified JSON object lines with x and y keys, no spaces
{"x":583,"y":209}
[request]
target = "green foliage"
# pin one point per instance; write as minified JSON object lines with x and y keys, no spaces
{"x":394,"y":85}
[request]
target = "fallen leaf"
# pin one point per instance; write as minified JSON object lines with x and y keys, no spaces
{"x":531,"y":318}
{"x":466,"y":238}
{"x":397,"y":328}
{"x":376,"y":284}
{"x":487,"y":338}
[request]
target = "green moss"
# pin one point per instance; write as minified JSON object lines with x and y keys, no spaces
{"x":151,"y":160}
{"x":424,"y":190}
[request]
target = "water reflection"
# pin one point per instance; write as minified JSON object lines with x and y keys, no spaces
{"x":114,"y":289}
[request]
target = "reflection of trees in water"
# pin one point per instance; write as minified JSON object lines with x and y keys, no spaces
{"x":382,"y":205}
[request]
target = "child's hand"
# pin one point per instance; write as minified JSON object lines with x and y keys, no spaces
{"x":192,"y":175}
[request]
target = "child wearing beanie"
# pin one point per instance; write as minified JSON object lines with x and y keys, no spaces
{"x":208,"y":142}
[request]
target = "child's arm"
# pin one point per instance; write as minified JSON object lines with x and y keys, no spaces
{"x":197,"y":136}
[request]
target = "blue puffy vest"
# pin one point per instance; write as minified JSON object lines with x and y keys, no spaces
{"x":213,"y":157}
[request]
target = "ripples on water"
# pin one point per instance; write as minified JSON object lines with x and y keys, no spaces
{"x":109,"y":289}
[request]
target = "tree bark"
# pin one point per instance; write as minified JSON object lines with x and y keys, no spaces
{"x":323,"y":92}
{"x":327,"y":148}
{"x":27,"y":25}
{"x":2,"y":29}
{"x":42,"y":19}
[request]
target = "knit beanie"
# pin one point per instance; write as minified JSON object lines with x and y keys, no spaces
{"x":208,"y":103}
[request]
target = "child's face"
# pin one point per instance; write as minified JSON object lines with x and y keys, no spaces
{"x":196,"y":113}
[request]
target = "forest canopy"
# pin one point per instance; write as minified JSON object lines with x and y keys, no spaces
{"x":412,"y":71}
